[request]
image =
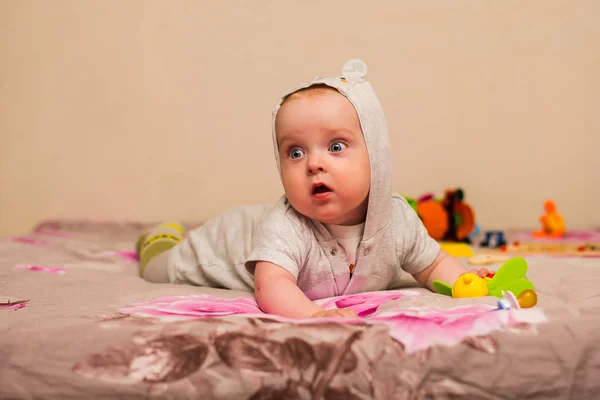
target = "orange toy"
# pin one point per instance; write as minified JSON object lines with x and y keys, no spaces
{"x":468,"y":220}
{"x":461,"y":215}
{"x":553,"y":224}
{"x":434,"y":218}
{"x":450,"y":219}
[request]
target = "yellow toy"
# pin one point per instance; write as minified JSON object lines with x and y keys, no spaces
{"x":510,"y":277}
{"x":457,"y":249}
{"x":553,"y":224}
{"x":527,"y":298}
{"x":469,"y":285}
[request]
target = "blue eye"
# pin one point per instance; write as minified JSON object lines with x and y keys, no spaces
{"x":295,"y":153}
{"x":336,"y":147}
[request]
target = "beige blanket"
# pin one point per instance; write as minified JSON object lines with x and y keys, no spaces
{"x":76,"y":321}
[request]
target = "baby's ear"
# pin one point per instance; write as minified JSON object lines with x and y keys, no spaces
{"x":354,"y":69}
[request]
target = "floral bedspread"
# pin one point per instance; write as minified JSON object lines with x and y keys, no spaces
{"x":416,"y":328}
{"x":77,"y":321}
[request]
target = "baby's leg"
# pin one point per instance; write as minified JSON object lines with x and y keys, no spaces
{"x":214,"y":254}
{"x":153,"y":249}
{"x":156,"y":269}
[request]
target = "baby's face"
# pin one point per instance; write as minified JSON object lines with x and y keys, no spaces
{"x":324,"y":160}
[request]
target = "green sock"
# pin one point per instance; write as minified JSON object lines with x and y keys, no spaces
{"x":158,"y":240}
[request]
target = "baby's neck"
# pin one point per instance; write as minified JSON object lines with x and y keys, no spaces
{"x":346,"y":231}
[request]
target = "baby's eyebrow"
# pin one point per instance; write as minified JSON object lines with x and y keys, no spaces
{"x":281,"y":144}
{"x":286,"y":139}
{"x":345,"y":132}
{"x":342,"y":130}
{"x":281,"y":141}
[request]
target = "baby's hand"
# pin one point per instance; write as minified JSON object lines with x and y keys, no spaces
{"x":336,"y":313}
{"x":480,"y":272}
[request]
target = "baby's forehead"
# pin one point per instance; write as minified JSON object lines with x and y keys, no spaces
{"x":319,"y":119}
{"x":315,"y":104}
{"x":313,"y":90}
{"x":316,"y":97}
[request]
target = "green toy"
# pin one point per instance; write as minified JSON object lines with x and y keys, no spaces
{"x":411,"y":201}
{"x":510,"y":277}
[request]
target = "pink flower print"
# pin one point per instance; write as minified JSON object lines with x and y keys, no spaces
{"x":52,"y":232}
{"x":126,"y":255}
{"x":364,"y":303}
{"x":31,"y":241}
{"x":440,"y":315}
{"x":418,"y":329}
{"x":193,"y":306}
{"x":14,"y":305}
{"x":37,"y":268}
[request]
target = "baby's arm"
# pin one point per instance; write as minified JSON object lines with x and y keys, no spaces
{"x":276,"y":292}
{"x":444,"y":268}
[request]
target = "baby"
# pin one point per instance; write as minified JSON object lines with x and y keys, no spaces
{"x":338,"y":229}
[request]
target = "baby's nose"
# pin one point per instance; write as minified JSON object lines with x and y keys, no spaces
{"x":315,"y":164}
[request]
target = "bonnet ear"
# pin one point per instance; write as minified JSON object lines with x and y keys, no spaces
{"x":354,"y":69}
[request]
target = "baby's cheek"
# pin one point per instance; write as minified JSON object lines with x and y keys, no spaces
{"x":290,"y":184}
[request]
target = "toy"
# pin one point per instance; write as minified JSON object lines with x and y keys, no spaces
{"x":548,"y":249}
{"x":434,"y":218}
{"x":411,"y":202}
{"x":487,"y":259}
{"x":461,"y":219}
{"x":457,"y":249}
{"x":469,"y":285}
{"x":510,"y":277}
{"x":476,"y":231}
{"x":487,"y":242}
{"x":450,"y":219}
{"x":553,"y":224}
{"x":526,"y":299}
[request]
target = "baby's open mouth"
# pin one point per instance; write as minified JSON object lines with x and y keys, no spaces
{"x":320,"y":188}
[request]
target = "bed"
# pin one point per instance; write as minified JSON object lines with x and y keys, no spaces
{"x":76,"y":321}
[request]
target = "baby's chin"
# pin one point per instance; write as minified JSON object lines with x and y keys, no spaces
{"x":337,"y":219}
{"x":334,"y":216}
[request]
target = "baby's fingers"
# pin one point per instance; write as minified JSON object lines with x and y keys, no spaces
{"x":347,"y":313}
{"x":480,"y":272}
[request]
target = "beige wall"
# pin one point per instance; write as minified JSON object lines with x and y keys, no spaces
{"x":146,"y":110}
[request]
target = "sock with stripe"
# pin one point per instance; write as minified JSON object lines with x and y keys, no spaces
{"x":157,"y":241}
